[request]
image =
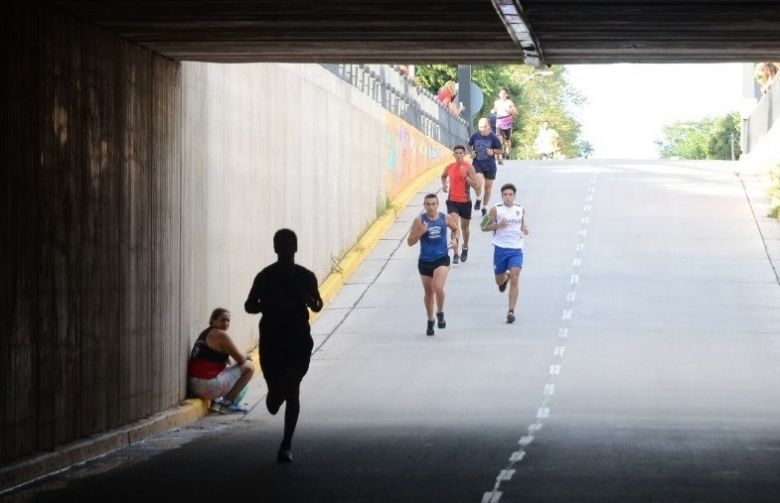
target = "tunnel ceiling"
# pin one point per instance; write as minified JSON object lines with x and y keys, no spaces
{"x":455,"y":31}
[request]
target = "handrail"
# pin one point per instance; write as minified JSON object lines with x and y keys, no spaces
{"x":398,"y":94}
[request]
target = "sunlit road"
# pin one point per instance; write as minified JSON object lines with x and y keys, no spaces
{"x":644,"y":365}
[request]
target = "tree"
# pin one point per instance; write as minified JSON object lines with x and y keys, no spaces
{"x":706,"y":138}
{"x":537,"y":99}
{"x":725,"y":135}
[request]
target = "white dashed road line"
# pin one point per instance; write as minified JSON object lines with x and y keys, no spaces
{"x":543,"y":412}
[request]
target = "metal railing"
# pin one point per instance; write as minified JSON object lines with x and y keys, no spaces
{"x":397,"y":94}
{"x":762,"y":119}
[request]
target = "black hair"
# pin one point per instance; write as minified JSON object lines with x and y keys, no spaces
{"x":285,"y":239}
{"x":509,"y":186}
{"x":456,"y":147}
{"x":431,"y":196}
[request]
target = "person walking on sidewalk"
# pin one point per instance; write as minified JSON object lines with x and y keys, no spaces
{"x":282,"y":292}
{"x":461,"y":176}
{"x":507,"y":222}
{"x":484,"y":146}
{"x":208,"y":374}
{"x":430,"y":229}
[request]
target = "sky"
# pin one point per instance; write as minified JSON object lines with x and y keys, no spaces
{"x":628,"y":104}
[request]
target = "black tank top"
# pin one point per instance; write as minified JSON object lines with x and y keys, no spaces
{"x":202,"y":351}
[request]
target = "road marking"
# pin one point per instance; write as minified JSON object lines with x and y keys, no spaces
{"x":492,"y":497}
{"x":505,"y":475}
{"x":543,"y":411}
{"x":517,"y":456}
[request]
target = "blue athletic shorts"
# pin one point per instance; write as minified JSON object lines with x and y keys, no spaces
{"x":505,"y":259}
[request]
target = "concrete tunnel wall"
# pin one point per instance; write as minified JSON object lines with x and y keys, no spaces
{"x":140,"y":193}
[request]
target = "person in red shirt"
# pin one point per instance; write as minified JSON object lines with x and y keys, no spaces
{"x":461,"y":177}
{"x":210,"y":376}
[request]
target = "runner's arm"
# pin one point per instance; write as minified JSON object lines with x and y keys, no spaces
{"x":414,"y":232}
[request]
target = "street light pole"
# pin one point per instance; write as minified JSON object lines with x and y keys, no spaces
{"x":543,"y":73}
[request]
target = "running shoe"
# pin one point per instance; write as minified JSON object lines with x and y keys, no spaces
{"x":284,"y":456}
{"x":484,"y":211}
{"x":441,"y":322}
{"x":464,"y":254}
{"x":455,"y":258}
{"x":477,"y":204}
{"x":502,"y":286}
{"x":510,"y":316}
{"x":216,"y":405}
{"x":430,"y":331}
{"x":500,"y":162}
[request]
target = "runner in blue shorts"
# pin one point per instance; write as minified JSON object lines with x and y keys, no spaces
{"x":507,"y":222}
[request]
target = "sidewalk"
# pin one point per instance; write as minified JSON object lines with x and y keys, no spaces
{"x":756,"y":185}
{"x":385,"y":233}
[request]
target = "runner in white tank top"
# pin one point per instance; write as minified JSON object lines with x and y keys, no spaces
{"x":508,"y":223}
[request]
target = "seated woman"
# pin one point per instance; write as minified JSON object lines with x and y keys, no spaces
{"x":209,"y":375}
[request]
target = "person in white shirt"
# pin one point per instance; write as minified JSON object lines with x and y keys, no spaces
{"x":546,"y":143}
{"x":507,"y":222}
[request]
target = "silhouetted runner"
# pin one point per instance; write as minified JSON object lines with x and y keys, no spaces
{"x":282,"y":292}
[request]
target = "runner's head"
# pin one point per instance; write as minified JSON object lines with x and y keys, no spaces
{"x":508,"y":191}
{"x":503,"y":93}
{"x":431,"y":204}
{"x":285,"y":243}
{"x":484,"y":126}
{"x":458,"y":151}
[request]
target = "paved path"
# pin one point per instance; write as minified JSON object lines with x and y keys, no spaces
{"x":644,"y":365}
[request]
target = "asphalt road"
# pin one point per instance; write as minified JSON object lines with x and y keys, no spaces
{"x":644,"y":365}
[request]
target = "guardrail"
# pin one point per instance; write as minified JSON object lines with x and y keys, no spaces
{"x":397,"y":94}
{"x":766,"y":114}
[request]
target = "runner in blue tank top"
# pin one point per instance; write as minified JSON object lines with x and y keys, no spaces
{"x":430,"y":229}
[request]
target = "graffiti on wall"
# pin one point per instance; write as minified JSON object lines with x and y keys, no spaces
{"x":408,"y":152}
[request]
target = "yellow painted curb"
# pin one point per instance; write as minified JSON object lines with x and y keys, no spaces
{"x":354,"y":257}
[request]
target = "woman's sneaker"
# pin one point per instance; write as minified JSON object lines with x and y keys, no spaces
{"x":441,"y":323}
{"x":228,"y":407}
{"x":216,"y":405}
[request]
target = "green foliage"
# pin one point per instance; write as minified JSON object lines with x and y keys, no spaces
{"x":537,"y":99}
{"x":708,"y":138}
